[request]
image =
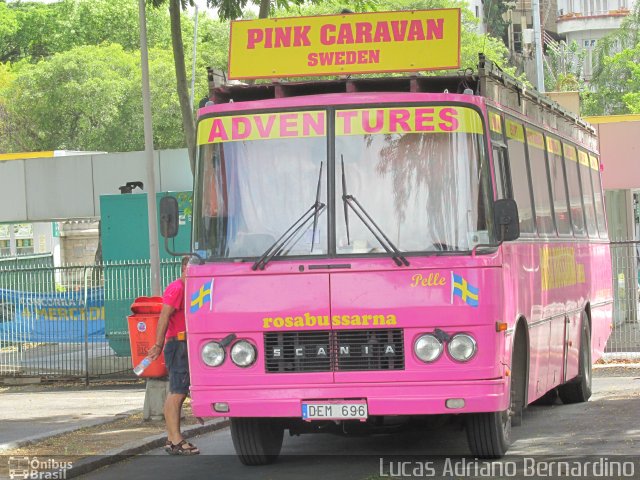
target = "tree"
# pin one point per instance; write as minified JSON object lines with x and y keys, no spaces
{"x":614,"y":89}
{"x":615,"y":76}
{"x":37,"y":30}
{"x":6,"y":127}
{"x":563,"y":70}
{"x":89,"y":99}
{"x":494,"y":12}
{"x":227,"y":10}
{"x":8,"y":28}
{"x":78,"y":100}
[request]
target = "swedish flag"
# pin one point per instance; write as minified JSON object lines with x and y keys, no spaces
{"x":464,"y":290}
{"x":201,"y":297}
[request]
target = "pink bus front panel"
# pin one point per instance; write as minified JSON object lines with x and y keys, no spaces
{"x":367,"y":297}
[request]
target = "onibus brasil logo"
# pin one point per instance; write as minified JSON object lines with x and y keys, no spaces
{"x":38,"y":468}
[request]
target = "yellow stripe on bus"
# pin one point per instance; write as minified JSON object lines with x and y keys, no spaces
{"x":570,"y":152}
{"x":583,"y":158}
{"x":495,"y":122}
{"x":535,"y":139}
{"x":553,"y":146}
{"x":515,"y":131}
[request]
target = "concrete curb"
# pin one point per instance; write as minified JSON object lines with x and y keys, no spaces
{"x":72,"y":428}
{"x":90,"y":464}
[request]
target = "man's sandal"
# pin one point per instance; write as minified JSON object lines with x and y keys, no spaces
{"x":183,"y":448}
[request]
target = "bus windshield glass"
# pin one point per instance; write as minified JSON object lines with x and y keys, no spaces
{"x":418,"y":175}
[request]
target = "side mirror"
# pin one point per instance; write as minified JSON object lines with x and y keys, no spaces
{"x":169,"y":217}
{"x":507,"y":222}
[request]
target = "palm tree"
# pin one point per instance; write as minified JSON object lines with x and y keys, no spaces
{"x":227,"y":10}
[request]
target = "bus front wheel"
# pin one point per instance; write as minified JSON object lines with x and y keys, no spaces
{"x":578,"y":390}
{"x":489,"y":434}
{"x":257,"y":441}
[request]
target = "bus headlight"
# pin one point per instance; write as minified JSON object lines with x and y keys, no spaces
{"x":462,"y":347}
{"x":212,"y":354}
{"x":427,"y":348}
{"x":243,"y":354}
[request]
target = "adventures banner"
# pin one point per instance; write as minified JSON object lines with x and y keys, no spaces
{"x":404,"y":41}
{"x":363,"y":121}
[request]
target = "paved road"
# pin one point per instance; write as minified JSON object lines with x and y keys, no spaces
{"x":607,"y":425}
{"x":36,"y":412}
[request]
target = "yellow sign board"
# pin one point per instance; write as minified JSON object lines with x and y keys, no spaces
{"x":515,"y":131}
{"x":495,"y":122}
{"x":404,"y":41}
{"x":366,"y":121}
{"x":553,"y":146}
{"x":535,"y":139}
{"x":583,"y":158}
{"x":570,"y":152}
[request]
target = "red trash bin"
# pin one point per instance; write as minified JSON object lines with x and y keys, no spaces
{"x":143,"y":325}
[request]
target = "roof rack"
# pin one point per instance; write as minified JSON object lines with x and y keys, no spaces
{"x":489,"y":73}
{"x":489,"y":81}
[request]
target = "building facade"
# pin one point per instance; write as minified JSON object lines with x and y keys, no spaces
{"x":587,"y":21}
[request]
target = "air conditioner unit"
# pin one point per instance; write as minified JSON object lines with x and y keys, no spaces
{"x":527,"y":36}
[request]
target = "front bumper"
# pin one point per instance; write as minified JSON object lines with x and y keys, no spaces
{"x":382,"y":399}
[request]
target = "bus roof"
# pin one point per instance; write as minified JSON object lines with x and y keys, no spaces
{"x":488,"y":80}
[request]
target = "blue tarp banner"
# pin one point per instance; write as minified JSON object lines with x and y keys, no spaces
{"x":58,"y":317}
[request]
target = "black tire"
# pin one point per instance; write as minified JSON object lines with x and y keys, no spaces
{"x":489,"y":434}
{"x":578,"y":390}
{"x":257,"y":441}
{"x":519,"y":378}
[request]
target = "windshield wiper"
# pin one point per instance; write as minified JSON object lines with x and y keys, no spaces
{"x":351,"y":201}
{"x":344,"y":204}
{"x":317,"y":212}
{"x":276,"y":247}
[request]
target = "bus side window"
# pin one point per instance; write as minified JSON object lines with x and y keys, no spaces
{"x":499,"y":149}
{"x":573,"y":185}
{"x":597,"y":193}
{"x":587,"y":193}
{"x":558,"y":186}
{"x":540,"y":183}
{"x":501,"y":167}
{"x":520,"y":184}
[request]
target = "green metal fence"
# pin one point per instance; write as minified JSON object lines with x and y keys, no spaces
{"x":71,"y":321}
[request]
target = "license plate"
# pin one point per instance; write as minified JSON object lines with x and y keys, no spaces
{"x":334,"y":410}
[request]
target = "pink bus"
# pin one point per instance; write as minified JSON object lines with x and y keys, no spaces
{"x":376,"y":250}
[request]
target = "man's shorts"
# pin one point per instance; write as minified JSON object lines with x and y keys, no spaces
{"x":177,"y":362}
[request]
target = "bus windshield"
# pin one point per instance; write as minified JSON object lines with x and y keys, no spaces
{"x":425,"y":187}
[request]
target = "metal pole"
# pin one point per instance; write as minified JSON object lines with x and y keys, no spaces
{"x":537,"y":44}
{"x":193,"y":66}
{"x":154,"y":253}
{"x":86,"y":326}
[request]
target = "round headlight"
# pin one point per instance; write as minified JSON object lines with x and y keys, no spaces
{"x":462,"y":347}
{"x":243,"y":354}
{"x":212,"y":354}
{"x":428,"y":348}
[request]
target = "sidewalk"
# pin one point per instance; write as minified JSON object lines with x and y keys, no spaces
{"x":31,"y":413}
{"x":91,"y":427}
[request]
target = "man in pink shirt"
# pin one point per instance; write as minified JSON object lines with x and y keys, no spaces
{"x":171,"y":337}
